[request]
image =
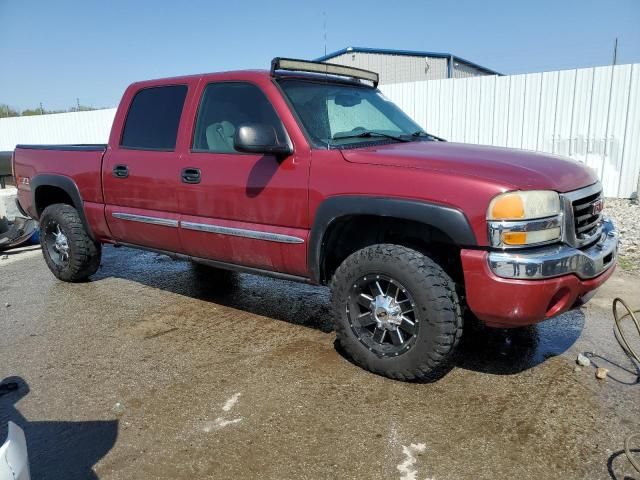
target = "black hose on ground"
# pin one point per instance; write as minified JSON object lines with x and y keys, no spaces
{"x":627,"y":450}
{"x":624,"y":343}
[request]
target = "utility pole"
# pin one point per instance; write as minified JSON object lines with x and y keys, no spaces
{"x":615,"y":52}
{"x":324,"y":27}
{"x":78,"y":104}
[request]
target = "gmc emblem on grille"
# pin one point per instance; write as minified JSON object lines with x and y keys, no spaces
{"x":597,"y":207}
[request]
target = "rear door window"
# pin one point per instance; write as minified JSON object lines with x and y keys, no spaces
{"x":153,"y":118}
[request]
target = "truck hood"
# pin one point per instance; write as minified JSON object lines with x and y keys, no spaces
{"x":513,"y":169}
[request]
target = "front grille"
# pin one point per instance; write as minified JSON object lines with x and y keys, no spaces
{"x":586,"y":221}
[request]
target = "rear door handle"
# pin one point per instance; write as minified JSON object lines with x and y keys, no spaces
{"x":190,"y":175}
{"x":120,"y":171}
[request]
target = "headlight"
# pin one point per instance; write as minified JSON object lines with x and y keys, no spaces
{"x":518,"y":219}
{"x":524,"y":205}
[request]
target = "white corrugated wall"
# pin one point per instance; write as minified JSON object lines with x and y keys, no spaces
{"x":73,"y":127}
{"x":590,"y":114}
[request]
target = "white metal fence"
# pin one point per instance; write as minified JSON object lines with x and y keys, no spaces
{"x":74,"y":127}
{"x":591,"y":115}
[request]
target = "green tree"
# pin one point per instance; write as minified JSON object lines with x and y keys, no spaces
{"x":39,"y":111}
{"x":32,"y":111}
{"x":7,"y":111}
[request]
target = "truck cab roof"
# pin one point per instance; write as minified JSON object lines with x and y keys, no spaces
{"x":254,"y":76}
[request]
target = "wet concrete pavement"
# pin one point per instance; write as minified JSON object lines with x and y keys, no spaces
{"x":153,"y":370}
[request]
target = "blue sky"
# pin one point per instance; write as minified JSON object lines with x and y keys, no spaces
{"x":56,"y":51}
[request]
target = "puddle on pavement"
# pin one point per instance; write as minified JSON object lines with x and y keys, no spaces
{"x":508,"y":351}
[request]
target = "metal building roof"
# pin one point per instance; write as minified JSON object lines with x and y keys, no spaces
{"x":410,"y":53}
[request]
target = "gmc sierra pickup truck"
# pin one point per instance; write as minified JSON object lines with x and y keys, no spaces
{"x":307,"y":172}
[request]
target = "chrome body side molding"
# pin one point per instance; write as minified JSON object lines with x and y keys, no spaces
{"x":241,"y":232}
{"x":164,"y":222}
{"x":209,"y":228}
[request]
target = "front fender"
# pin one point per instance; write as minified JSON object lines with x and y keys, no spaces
{"x":451,"y":221}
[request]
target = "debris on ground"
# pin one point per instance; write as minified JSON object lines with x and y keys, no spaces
{"x":582,"y":360}
{"x":7,"y":304}
{"x":17,"y":232}
{"x":601,"y":373}
{"x":118,"y":408}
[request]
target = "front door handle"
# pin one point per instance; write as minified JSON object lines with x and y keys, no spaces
{"x":121,"y":171}
{"x":190,"y":175}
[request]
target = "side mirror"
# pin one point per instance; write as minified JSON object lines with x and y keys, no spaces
{"x":259,"y":138}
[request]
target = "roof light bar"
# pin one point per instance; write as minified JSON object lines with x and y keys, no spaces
{"x":293,"y":64}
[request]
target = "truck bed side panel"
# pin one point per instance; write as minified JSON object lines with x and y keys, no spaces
{"x":82,"y":166}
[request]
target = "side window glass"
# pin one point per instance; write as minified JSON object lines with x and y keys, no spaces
{"x":224,"y":108}
{"x":153,"y":118}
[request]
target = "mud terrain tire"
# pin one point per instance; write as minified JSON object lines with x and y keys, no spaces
{"x":436,"y":309}
{"x":71,"y":255}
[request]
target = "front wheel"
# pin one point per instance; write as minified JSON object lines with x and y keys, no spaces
{"x":396,"y":312}
{"x":70,"y":253}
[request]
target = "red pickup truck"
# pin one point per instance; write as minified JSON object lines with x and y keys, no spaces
{"x":307,"y":172}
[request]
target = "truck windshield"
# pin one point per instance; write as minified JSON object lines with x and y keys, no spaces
{"x":341,"y":115}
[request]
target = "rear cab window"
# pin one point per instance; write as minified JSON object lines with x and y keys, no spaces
{"x":153,"y":118}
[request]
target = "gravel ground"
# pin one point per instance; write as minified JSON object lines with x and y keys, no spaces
{"x":626,"y":214}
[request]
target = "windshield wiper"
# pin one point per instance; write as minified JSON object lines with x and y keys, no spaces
{"x":369,"y":134}
{"x":420,"y":133}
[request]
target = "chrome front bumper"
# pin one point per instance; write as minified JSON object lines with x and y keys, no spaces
{"x":557,"y":260}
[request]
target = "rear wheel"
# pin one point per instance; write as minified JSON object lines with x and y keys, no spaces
{"x":70,"y":253}
{"x":396,"y":312}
